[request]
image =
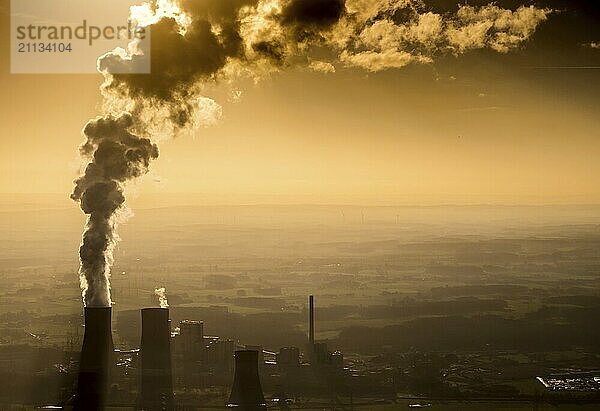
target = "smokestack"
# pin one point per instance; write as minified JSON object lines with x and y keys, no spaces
{"x":155,"y":354}
{"x":95,"y":363}
{"x":311,"y":319}
{"x":246,"y":393}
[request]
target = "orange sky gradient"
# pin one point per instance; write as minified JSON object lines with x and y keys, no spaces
{"x":479,"y":128}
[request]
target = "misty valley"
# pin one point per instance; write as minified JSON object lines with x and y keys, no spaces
{"x":416,"y":306}
{"x":259,"y":205}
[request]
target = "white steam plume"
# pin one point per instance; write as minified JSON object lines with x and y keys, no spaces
{"x":194,"y":42}
{"x":161,"y":293}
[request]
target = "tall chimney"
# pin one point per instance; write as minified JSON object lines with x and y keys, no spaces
{"x":95,"y":362}
{"x":155,"y":355}
{"x":311,"y":316}
{"x":246,"y":393}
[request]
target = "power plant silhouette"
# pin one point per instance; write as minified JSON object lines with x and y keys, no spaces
{"x":155,"y":355}
{"x":155,"y":370}
{"x":96,"y":360}
{"x":155,"y":375}
{"x":246,"y":393}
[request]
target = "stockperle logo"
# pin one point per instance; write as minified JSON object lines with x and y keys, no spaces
{"x":68,"y":36}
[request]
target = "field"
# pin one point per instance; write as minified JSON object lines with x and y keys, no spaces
{"x":480,"y":299}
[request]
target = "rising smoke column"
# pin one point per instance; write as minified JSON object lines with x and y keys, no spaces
{"x":161,"y":293}
{"x":116,"y":155}
{"x":194,"y":42}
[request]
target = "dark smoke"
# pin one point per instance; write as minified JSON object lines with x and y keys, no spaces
{"x":177,"y":61}
{"x":371,"y":34}
{"x":319,"y":13}
{"x":210,"y":42}
{"x":202,"y":41}
{"x":271,"y":50}
{"x":116,"y":155}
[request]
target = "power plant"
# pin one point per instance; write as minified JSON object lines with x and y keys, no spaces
{"x":188,"y":358}
{"x":155,"y":356}
{"x":246,"y":392}
{"x":96,"y":360}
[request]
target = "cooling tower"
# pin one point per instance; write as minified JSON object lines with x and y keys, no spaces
{"x":246,"y":393}
{"x":155,"y":356}
{"x":96,"y":360}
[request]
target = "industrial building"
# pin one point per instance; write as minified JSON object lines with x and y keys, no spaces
{"x":184,"y":358}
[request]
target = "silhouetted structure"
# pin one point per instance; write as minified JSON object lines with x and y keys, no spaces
{"x":261,"y":354}
{"x":311,"y":325}
{"x":246,"y":393}
{"x":95,"y":363}
{"x":192,"y":336}
{"x":155,"y":356}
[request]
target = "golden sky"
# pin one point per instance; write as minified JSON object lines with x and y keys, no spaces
{"x":517,"y":127}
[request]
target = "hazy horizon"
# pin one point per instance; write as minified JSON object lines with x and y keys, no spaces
{"x":478,"y":127}
{"x":152,"y":200}
{"x":370,"y":205}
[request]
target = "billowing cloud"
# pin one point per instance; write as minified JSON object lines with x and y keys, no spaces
{"x":321,"y":66}
{"x":392,"y":39}
{"x":377,"y":61}
{"x":198,"y":41}
{"x":115,"y":155}
{"x":493,"y":27}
